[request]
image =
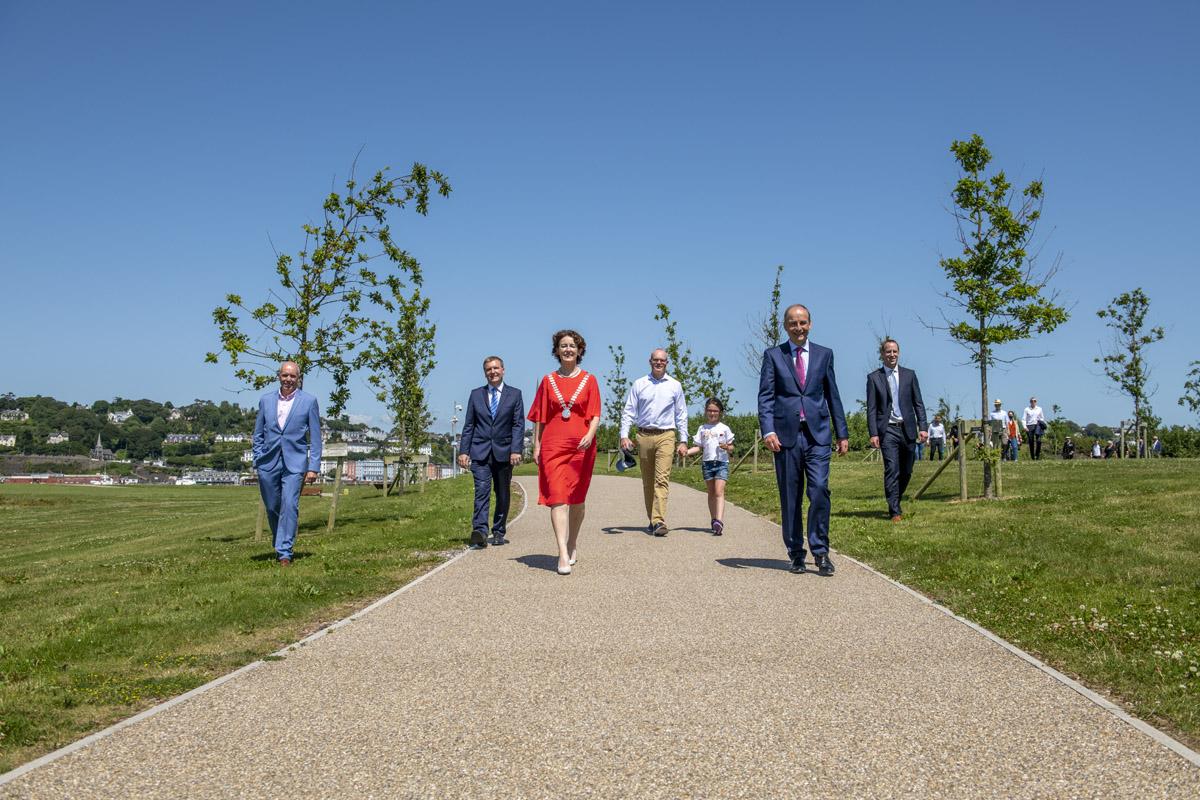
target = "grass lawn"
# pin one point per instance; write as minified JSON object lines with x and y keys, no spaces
{"x":115,"y":598}
{"x":1093,"y":566}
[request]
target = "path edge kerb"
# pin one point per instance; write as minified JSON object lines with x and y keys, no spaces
{"x":91,"y":739}
{"x":1163,"y":738}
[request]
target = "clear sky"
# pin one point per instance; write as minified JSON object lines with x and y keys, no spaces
{"x":604,"y":157}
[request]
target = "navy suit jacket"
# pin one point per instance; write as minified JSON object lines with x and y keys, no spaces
{"x":879,"y":403}
{"x":500,"y":437}
{"x":780,"y":397}
{"x":298,"y":444}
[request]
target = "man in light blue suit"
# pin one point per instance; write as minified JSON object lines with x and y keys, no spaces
{"x":797,"y":398}
{"x":287,"y":454}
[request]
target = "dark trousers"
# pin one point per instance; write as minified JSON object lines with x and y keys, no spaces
{"x":937,"y":446}
{"x":488,"y":474}
{"x":806,"y":462}
{"x":898,"y":460}
{"x":1035,"y":445}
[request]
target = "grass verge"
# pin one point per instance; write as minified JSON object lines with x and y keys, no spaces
{"x":113,"y":599}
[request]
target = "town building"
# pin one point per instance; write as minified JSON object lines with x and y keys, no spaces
{"x":100,"y":452}
{"x":13,"y":415}
{"x":231,"y":437}
{"x":58,"y":437}
{"x":8,"y":440}
{"x":120,"y":417}
{"x":181,"y":438}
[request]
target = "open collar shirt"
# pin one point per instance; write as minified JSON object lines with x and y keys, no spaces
{"x":283,"y":408}
{"x":655,"y":403}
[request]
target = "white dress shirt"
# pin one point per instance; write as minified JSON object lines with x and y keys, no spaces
{"x":1032,"y":416}
{"x":937,"y":431}
{"x":283,"y":408}
{"x":655,"y":403}
{"x":893,"y":379}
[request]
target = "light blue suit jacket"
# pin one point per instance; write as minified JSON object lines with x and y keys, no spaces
{"x":297,"y":447}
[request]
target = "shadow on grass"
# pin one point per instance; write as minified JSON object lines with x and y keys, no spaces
{"x":863,"y":514}
{"x":755,"y":563}
{"x":539,"y":561}
{"x":273,"y":556}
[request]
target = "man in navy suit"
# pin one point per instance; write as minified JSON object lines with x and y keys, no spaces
{"x":895,"y":420}
{"x":287,"y":454}
{"x":797,"y":396}
{"x":493,"y":437}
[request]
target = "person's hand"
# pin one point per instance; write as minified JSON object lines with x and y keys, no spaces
{"x":537,"y":455}
{"x":585,"y":442}
{"x":626,"y":443}
{"x":310,"y":476}
{"x":875,"y":442}
{"x":924,"y":436}
{"x":843,"y":446}
{"x":682,"y":450}
{"x":464,"y":461}
{"x":514,"y":458}
{"x":772,"y":442}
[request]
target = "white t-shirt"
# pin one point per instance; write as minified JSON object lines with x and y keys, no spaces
{"x":710,"y":437}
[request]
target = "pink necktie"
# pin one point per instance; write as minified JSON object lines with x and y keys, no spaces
{"x":800,"y":375}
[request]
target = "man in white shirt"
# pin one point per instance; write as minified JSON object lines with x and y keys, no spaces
{"x":999,"y":415}
{"x":655,"y":405}
{"x":1035,"y":427}
{"x":937,"y":439}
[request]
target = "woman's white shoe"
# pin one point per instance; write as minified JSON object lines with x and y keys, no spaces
{"x":564,"y":570}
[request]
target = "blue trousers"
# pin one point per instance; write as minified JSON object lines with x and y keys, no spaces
{"x":280,"y":492}
{"x":488,"y":474}
{"x":803,"y":469}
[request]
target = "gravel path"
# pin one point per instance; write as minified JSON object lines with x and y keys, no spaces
{"x":691,"y":666}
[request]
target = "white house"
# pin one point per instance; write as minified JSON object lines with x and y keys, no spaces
{"x":119,"y":417}
{"x":232,"y":437}
{"x":14,"y":415}
{"x":8,"y":440}
{"x":58,"y":437}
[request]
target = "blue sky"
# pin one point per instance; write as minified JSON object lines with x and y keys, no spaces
{"x":604,"y":157}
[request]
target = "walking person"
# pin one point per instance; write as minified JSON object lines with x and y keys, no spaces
{"x":655,"y":405}
{"x":1035,"y":427}
{"x":937,"y":439}
{"x":798,"y":404}
{"x":565,"y":416}
{"x":715,"y":440}
{"x":287,"y":454}
{"x":1013,"y":431}
{"x":895,"y":422}
{"x":493,"y":437}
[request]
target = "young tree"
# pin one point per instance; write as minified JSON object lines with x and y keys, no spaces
{"x":993,"y":281}
{"x":399,"y":354}
{"x":764,"y":330}
{"x":1191,"y":389}
{"x":700,"y":379}
{"x":618,"y":386}
{"x":1126,"y":363}
{"x":316,"y":316}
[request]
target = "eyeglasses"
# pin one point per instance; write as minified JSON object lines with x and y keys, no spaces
{"x":658,"y":361}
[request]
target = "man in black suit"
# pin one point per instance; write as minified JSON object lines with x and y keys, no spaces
{"x":895,"y":420}
{"x":493,"y":437}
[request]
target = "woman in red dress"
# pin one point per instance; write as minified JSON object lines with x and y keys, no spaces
{"x":565,"y":416}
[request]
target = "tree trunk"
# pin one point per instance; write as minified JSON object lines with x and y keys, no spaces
{"x":984,"y":420}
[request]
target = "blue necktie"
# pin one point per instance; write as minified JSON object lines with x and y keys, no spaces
{"x":494,"y":403}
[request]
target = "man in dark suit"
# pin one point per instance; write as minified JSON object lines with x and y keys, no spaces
{"x":895,"y":420}
{"x":797,"y":396}
{"x":287,"y":453}
{"x":493,"y":437}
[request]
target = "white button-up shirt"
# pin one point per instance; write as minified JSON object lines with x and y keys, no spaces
{"x":652,"y":403}
{"x":1033,"y":416}
{"x":283,"y":408}
{"x":937,"y":431}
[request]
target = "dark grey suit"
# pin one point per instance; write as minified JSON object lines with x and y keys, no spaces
{"x":896,"y":440}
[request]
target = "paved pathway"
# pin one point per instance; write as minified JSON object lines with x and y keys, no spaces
{"x":690,"y":666}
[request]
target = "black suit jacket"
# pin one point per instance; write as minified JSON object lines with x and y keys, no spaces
{"x":879,"y":403}
{"x":483,"y":436}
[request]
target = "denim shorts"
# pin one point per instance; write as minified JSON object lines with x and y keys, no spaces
{"x":715,"y":469}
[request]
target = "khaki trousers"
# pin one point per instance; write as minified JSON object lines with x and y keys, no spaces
{"x":657,"y":452}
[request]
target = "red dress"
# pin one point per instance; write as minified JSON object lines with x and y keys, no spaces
{"x":565,"y":473}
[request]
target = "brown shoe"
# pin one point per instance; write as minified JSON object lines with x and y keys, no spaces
{"x":285,"y":562}
{"x":897,"y":518}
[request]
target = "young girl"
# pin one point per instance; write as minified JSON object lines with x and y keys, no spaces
{"x":716,"y":440}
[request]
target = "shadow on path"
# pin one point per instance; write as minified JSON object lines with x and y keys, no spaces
{"x":613,"y":530}
{"x":759,"y":563}
{"x":539,"y":561}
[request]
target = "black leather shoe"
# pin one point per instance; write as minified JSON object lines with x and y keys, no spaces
{"x":824,"y":566}
{"x":498,"y":540}
{"x":797,"y":567}
{"x":477,"y":546}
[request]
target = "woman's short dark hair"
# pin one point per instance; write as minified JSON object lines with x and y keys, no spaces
{"x":713,"y":401}
{"x":580,"y":344}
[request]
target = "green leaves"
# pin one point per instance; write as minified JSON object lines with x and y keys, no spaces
{"x":1125,"y":364}
{"x":316,"y":316}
